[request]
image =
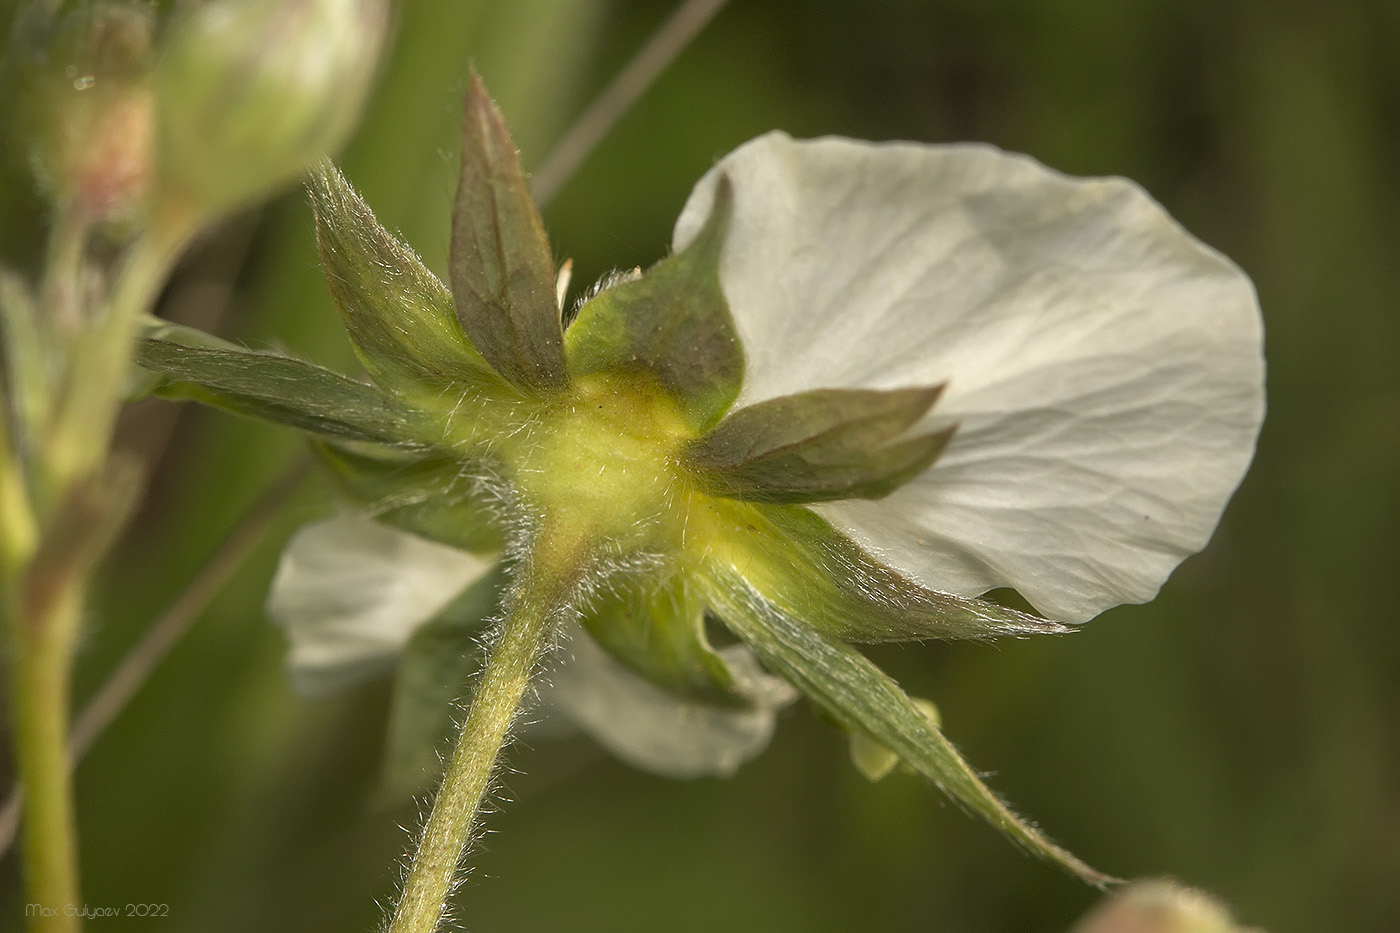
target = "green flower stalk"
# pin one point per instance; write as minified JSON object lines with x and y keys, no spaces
{"x":870,"y":384}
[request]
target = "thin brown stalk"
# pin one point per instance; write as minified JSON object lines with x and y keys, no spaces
{"x":630,"y":84}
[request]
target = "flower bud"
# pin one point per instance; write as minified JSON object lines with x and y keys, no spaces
{"x":95,"y":112}
{"x":1159,"y":906}
{"x":252,"y":91}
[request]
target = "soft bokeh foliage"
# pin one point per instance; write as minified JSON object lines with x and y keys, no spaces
{"x":1236,"y":733}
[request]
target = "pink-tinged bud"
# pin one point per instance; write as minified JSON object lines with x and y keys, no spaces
{"x":252,"y":91}
{"x":95,"y":112}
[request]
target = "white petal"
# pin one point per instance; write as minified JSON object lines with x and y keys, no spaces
{"x":658,"y":731}
{"x":1105,"y":369}
{"x":350,"y":592}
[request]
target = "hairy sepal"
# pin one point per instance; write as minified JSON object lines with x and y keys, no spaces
{"x":672,"y":323}
{"x":657,"y":628}
{"x":501,"y":269}
{"x":818,"y":446}
{"x":813,"y":572}
{"x":400,"y":318}
{"x":282,"y":390}
{"x":860,"y":697}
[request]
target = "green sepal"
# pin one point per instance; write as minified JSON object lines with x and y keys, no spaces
{"x":846,"y":686}
{"x":280,"y":389}
{"x":672,"y":323}
{"x":430,"y":496}
{"x":501,"y":269}
{"x":818,"y":446}
{"x":400,"y":318}
{"x":432,"y":684}
{"x":816,"y":573}
{"x":658,"y":630}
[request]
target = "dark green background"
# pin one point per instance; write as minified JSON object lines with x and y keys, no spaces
{"x":1238,"y":733}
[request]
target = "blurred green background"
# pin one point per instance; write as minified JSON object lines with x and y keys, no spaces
{"x":1239,"y":733}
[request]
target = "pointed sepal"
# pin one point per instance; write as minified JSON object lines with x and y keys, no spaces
{"x":501,"y":269}
{"x":846,"y":686}
{"x":658,"y":630}
{"x":400,"y":318}
{"x":813,"y":572}
{"x":818,"y":446}
{"x":671,"y":323}
{"x":281,"y":389}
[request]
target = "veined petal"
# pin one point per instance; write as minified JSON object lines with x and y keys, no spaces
{"x":659,"y":731}
{"x":1103,"y":368}
{"x":349,"y":592}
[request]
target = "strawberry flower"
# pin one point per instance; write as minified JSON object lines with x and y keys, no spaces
{"x":872,"y":383}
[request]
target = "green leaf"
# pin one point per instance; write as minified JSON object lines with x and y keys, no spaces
{"x":672,"y":323}
{"x":501,"y":269}
{"x":280,"y":389}
{"x":400,"y":317}
{"x":432,"y":683}
{"x":815,"y":573}
{"x":658,"y":630}
{"x":818,"y":446}
{"x":846,"y":686}
{"x":431,"y":496}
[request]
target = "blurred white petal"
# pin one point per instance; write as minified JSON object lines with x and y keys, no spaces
{"x":659,"y":731}
{"x":1105,"y":368}
{"x":349,"y":592}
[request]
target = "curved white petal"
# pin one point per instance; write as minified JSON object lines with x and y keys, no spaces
{"x":349,"y":592}
{"x":658,"y":731}
{"x":1105,"y":369}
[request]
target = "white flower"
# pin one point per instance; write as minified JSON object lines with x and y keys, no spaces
{"x":1104,"y":368}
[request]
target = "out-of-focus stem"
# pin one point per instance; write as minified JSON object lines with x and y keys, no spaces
{"x":42,"y":634}
{"x":97,"y":370}
{"x":63,"y":277}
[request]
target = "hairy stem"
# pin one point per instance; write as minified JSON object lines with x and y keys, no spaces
{"x":540,"y":598}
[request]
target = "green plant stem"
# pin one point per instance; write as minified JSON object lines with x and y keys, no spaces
{"x":42,"y":636}
{"x":539,"y":600}
{"x":77,"y":504}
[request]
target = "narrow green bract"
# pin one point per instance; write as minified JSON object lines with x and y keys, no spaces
{"x":282,"y":390}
